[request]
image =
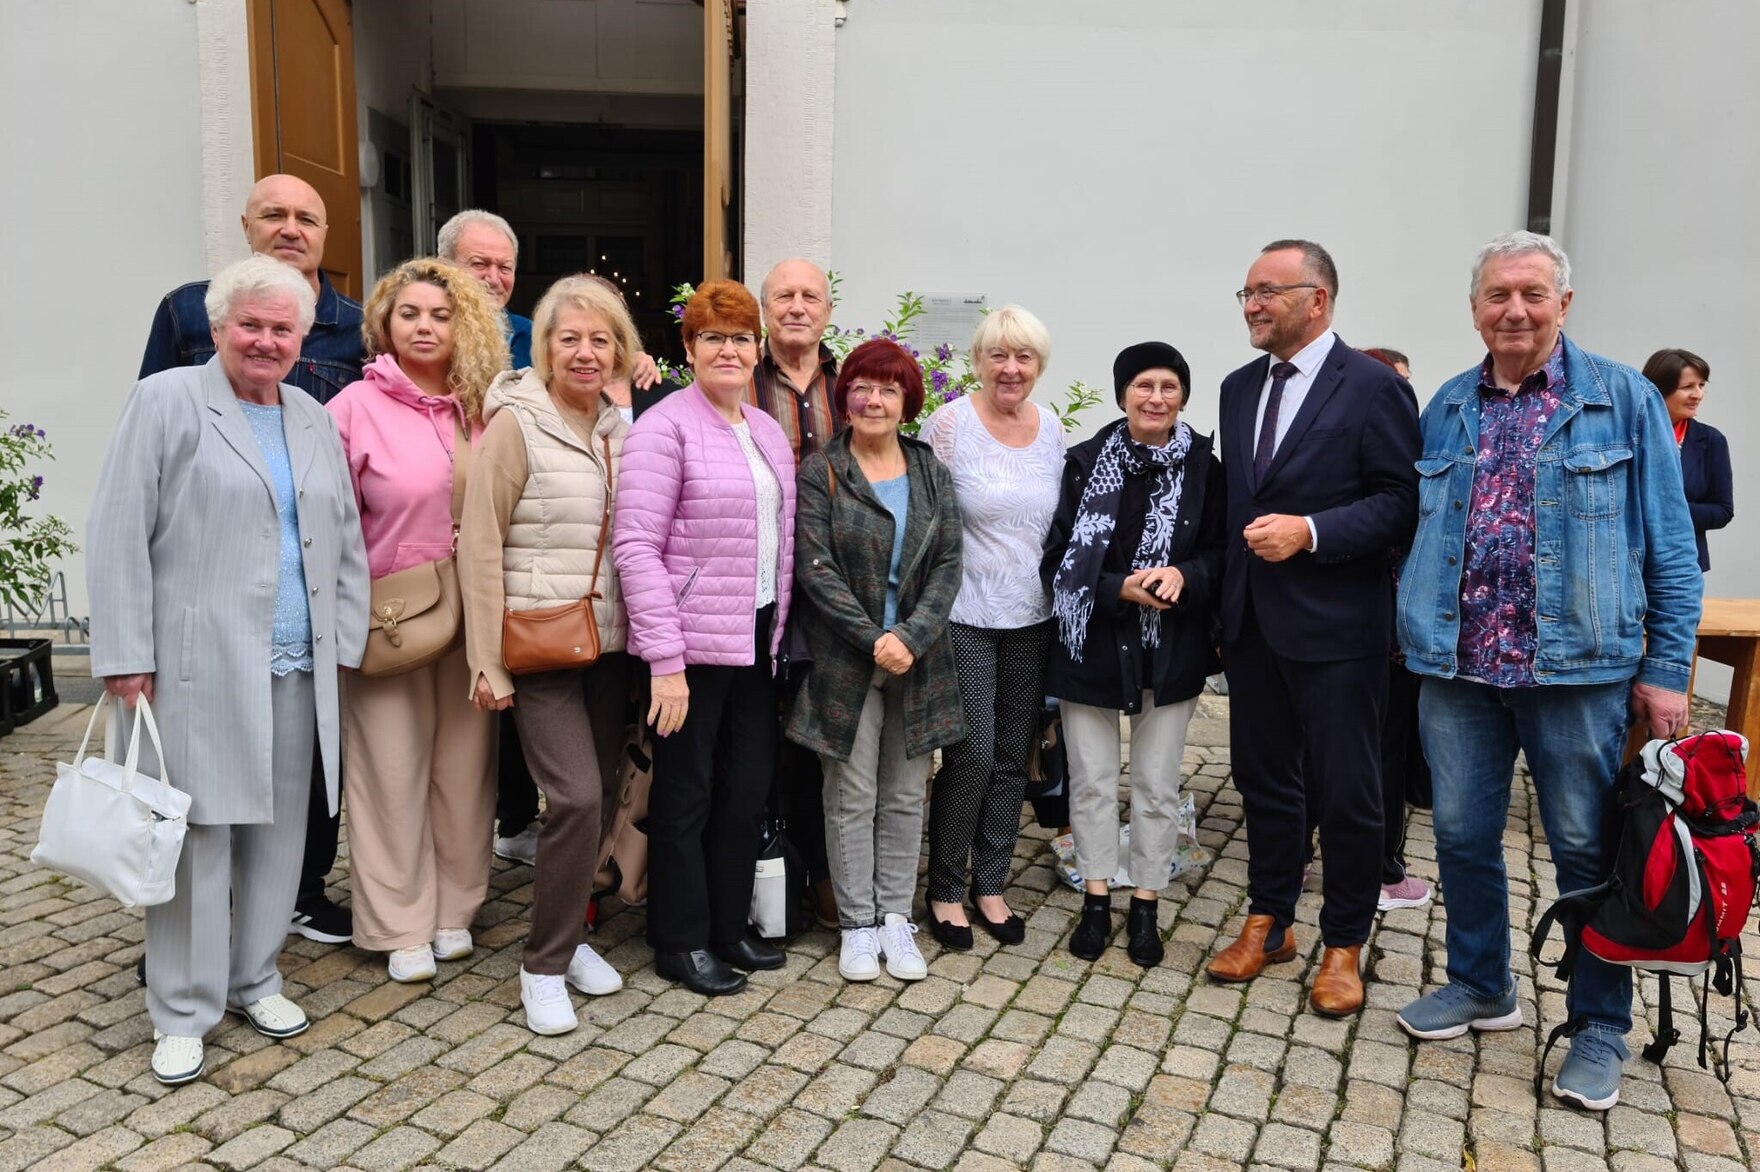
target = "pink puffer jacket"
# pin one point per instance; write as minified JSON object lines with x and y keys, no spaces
{"x":685,"y":538}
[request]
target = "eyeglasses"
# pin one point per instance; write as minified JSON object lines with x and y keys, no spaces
{"x":862,"y":392}
{"x":1265,"y":293}
{"x":1147,"y":390}
{"x":740,"y":341}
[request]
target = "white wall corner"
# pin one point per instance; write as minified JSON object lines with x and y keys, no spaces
{"x":223,"y":54}
{"x":790,"y":115}
{"x":1567,"y":111}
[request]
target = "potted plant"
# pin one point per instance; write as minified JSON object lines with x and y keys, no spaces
{"x":29,"y":547}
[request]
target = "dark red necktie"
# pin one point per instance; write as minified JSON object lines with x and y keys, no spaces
{"x":1280,"y":374}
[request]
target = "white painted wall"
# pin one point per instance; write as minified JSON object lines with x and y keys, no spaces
{"x":790,"y":123}
{"x":101,"y":116}
{"x":1115,"y":167}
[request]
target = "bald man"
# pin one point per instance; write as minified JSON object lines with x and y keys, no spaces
{"x":284,"y":218}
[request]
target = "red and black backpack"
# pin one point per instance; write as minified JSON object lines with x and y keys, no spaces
{"x":1680,"y":884}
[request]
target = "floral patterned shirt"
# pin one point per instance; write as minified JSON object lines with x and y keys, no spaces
{"x":1498,"y":623}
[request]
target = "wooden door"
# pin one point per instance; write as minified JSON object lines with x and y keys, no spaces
{"x":303,"y":112}
{"x":718,"y":168}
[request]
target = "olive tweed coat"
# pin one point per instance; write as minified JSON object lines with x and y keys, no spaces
{"x":843,"y":551}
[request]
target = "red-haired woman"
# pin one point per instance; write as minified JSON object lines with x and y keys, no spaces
{"x":704,"y":545}
{"x":878,"y":542}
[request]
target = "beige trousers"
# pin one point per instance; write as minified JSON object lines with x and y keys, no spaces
{"x":418,"y":769}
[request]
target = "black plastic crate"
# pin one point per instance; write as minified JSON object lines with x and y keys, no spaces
{"x":27,"y":682}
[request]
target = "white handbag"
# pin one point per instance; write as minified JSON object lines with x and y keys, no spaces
{"x":110,"y":825}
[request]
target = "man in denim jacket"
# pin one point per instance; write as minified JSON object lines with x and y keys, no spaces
{"x":283,"y":218}
{"x":1552,"y":584}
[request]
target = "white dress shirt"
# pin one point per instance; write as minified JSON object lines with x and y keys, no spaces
{"x":1307,"y":362}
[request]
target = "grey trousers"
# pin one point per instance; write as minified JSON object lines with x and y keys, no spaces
{"x":1158,"y":741}
{"x":874,"y":812}
{"x":215,"y":944}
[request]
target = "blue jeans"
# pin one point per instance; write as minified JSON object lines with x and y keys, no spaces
{"x":1573,"y":735}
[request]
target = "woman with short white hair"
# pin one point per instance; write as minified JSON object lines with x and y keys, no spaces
{"x":228,"y":583}
{"x":1006,"y":456}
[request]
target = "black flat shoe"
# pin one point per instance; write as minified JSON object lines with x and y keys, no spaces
{"x":1010,"y":931}
{"x":750,"y":954}
{"x":1143,"y":934}
{"x":699,"y":971}
{"x":1088,"y":941}
{"x":957,"y":937}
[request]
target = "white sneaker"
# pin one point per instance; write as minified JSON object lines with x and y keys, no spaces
{"x":548,"y":1009}
{"x":899,"y":946}
{"x":860,"y":958}
{"x":177,"y":1060}
{"x":406,"y":966}
{"x":453,"y":943}
{"x":589,"y":973}
{"x":521,"y":848}
{"x":276,"y":1017}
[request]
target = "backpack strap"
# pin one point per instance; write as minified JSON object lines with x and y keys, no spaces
{"x":1666,"y":1033}
{"x":1570,"y":911}
{"x":1567,"y":1029}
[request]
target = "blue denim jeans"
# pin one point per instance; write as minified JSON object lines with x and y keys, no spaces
{"x":1573,"y":735}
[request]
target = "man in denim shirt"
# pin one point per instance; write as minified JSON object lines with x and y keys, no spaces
{"x":1551,"y":595}
{"x":283,"y":218}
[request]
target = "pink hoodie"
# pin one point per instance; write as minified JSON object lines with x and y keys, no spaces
{"x":399,"y":446}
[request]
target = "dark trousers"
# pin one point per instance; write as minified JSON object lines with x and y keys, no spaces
{"x":801,"y":786}
{"x":1402,"y":767}
{"x":516,"y":794}
{"x":322,"y":828}
{"x":975,"y":804}
{"x":711,"y":778}
{"x":573,"y":724}
{"x":1282,"y":711}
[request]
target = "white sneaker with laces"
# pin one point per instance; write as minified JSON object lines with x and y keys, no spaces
{"x":177,"y":1060}
{"x":899,"y":945}
{"x":548,"y":1009}
{"x":589,"y":973}
{"x":860,"y":958}
{"x":407,"y":966}
{"x":276,"y":1017}
{"x":453,"y":943}
{"x":521,"y":847}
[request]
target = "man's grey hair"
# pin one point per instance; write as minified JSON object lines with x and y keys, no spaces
{"x":1523,"y":243}
{"x":453,"y":228}
{"x":258,"y":275}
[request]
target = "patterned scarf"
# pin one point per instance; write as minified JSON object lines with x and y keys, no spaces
{"x":1072,"y":591}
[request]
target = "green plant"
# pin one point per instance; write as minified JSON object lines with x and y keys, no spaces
{"x":28,"y":545}
{"x":947,"y":374}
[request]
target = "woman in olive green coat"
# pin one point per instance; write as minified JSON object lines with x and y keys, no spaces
{"x":877,"y":561}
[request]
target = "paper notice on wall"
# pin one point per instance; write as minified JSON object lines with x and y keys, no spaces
{"x":948,"y":318}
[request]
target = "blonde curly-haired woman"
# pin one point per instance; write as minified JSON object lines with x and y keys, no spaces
{"x":417,"y":755}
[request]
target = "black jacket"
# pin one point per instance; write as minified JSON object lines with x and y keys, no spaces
{"x":1111,"y":674}
{"x":1705,"y":474}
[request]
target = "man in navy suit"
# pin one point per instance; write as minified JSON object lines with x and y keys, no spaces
{"x":1319,"y":444}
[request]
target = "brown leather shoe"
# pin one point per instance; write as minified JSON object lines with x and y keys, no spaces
{"x":1242,"y":960}
{"x":823,"y":900}
{"x":1338,"y":986}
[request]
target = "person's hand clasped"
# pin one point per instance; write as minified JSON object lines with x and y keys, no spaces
{"x":1136,"y":589}
{"x":129,"y":689}
{"x":483,"y":696}
{"x":671,"y":700}
{"x":1277,"y":537}
{"x":1663,"y":712}
{"x":645,"y":372}
{"x":892,"y":655}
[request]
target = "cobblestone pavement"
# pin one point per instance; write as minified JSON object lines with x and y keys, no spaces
{"x":1003,"y":1058}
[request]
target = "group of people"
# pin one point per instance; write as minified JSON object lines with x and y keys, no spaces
{"x":790,"y":592}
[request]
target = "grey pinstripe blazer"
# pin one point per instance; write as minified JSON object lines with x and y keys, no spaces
{"x":183,"y":553}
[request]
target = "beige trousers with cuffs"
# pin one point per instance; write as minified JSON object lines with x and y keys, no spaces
{"x":418,"y":770}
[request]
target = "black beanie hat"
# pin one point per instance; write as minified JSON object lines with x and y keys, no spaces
{"x":1134,"y":360}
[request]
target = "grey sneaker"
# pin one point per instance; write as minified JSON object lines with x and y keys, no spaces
{"x":1591,"y":1071}
{"x":1453,"y":1009}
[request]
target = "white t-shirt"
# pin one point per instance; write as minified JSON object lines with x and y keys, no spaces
{"x":1006,"y":500}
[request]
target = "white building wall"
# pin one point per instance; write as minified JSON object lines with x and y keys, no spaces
{"x":1661,"y":227}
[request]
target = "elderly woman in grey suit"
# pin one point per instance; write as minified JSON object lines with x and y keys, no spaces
{"x":228,"y":583}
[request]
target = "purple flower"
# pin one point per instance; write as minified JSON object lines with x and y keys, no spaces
{"x":944,"y":352}
{"x":36,"y":488}
{"x":950,"y":396}
{"x":678,"y":313}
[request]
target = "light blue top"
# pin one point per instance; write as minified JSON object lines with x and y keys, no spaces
{"x":291,"y":648}
{"x":895,"y":494}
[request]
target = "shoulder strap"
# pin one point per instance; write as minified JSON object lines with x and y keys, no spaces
{"x":461,"y":460}
{"x":604,"y":521}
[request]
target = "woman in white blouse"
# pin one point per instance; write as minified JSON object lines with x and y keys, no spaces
{"x":1006,"y":456}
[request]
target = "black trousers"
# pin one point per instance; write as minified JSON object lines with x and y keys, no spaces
{"x":801,"y":787}
{"x":516,"y":794}
{"x":322,"y":828}
{"x":705,"y":809}
{"x":1282,"y":712}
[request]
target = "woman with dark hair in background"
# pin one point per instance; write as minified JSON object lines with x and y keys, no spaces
{"x":1682,"y":377}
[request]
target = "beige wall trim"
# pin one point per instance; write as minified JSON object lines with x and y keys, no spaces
{"x":223,"y":55}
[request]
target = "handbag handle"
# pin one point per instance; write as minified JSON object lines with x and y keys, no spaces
{"x":143,"y":713}
{"x":461,"y":443}
{"x":604,"y":522}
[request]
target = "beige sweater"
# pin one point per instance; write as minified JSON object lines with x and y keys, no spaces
{"x":538,"y":492}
